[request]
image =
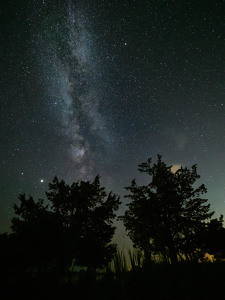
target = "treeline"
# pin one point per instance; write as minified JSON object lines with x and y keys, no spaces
{"x":167,"y":219}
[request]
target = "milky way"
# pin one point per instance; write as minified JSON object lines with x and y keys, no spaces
{"x":73,"y":95}
{"x":97,"y":87}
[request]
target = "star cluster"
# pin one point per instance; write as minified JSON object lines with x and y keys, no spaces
{"x":97,"y":87}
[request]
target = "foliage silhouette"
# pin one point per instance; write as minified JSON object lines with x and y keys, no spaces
{"x":167,"y":216}
{"x":76,"y":224}
{"x":87,"y":212}
{"x":39,"y":236}
{"x":214,"y":239}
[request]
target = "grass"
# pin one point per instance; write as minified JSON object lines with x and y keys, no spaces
{"x":126,"y":277}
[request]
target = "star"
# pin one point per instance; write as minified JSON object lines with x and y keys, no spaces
{"x":100,"y":99}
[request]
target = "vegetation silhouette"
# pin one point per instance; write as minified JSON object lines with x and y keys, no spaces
{"x":168,"y":217}
{"x":79,"y":217}
{"x":214,"y":239}
{"x":168,"y":221}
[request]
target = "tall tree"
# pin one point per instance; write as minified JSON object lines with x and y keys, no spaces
{"x":166,"y":216}
{"x":87,"y":212}
{"x":37,"y":235}
{"x":76,"y":224}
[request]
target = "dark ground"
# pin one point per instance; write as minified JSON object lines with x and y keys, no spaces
{"x":182,"y":281}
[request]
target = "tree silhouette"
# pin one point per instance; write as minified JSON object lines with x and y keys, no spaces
{"x":86,"y":212}
{"x":38,"y":236}
{"x":167,"y":215}
{"x":214,"y":238}
{"x":76,"y":224}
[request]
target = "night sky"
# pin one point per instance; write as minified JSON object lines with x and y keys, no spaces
{"x":97,"y":87}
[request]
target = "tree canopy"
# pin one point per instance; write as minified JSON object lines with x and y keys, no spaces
{"x":168,"y":219}
{"x":167,"y":215}
{"x":76,"y":224}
